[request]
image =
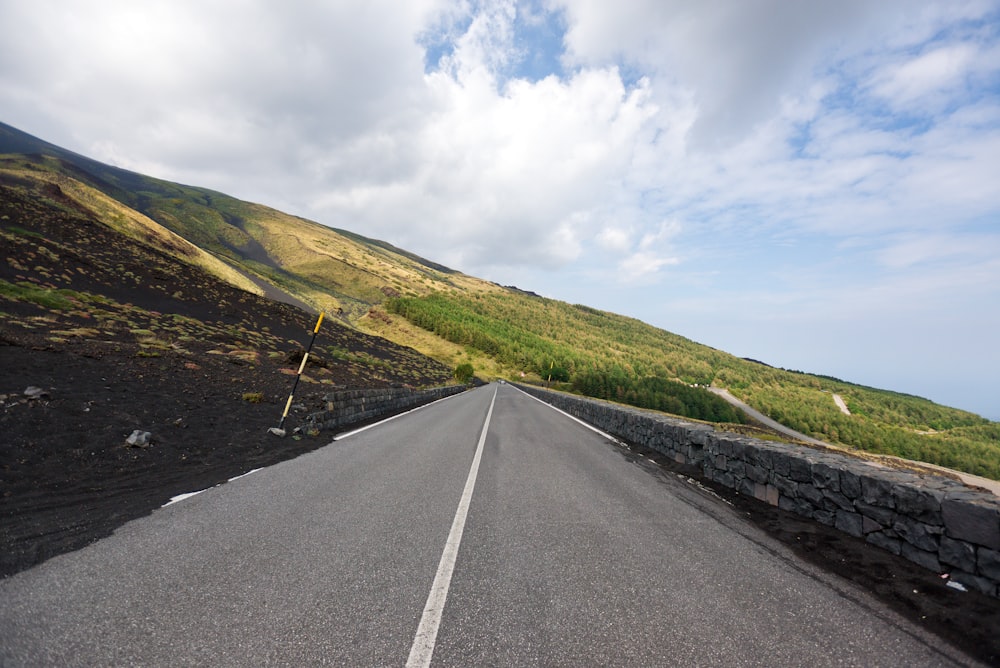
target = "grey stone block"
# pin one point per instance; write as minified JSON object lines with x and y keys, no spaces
{"x":868,"y":525}
{"x":922,"y":503}
{"x":800,"y":469}
{"x":797,"y":506}
{"x":884,"y":516}
{"x":989,"y":564}
{"x":780,"y":463}
{"x":784,"y":485}
{"x":920,"y":557}
{"x":838,"y":500}
{"x":880,"y":539}
{"x":916,"y":533}
{"x":725,"y":479}
{"x":811,"y":494}
{"x":967,"y":517}
{"x":737,"y":468}
{"x":957,"y":553}
{"x":757,"y":473}
{"x":850,"y":484}
{"x":826,"y":517}
{"x":738,"y":449}
{"x":848,"y":522}
{"x":877,"y":491}
{"x":761,"y":456}
{"x":825,"y":476}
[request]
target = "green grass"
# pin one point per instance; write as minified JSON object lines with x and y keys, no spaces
{"x":51,"y":298}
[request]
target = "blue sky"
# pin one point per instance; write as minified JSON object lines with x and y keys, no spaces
{"x":808,"y":184}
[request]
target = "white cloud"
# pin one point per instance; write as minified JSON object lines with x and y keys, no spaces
{"x":615,"y":239}
{"x":514,"y":173}
{"x":929,"y":78}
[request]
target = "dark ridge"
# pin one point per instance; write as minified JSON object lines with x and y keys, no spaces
{"x":398,"y":251}
{"x":518,"y":290}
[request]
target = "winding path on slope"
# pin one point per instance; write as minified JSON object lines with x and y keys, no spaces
{"x":967,"y":478}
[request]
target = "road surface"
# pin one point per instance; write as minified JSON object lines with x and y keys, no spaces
{"x":485,"y":529}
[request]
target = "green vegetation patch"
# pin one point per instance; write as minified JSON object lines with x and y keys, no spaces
{"x":52,"y":298}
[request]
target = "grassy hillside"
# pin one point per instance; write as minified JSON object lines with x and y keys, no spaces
{"x":42,"y":179}
{"x":609,"y":356}
{"x":340,"y":272}
{"x":73,"y":283}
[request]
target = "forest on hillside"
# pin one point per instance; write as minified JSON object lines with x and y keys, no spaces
{"x":608,"y":356}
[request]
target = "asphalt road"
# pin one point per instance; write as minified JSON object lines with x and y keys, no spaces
{"x":570,"y":551}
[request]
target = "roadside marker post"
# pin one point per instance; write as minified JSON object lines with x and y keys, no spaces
{"x":279,"y":431}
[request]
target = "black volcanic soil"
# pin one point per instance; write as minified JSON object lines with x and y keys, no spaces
{"x":119,"y":336}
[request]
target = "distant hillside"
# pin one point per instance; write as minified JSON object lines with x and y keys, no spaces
{"x":503,"y":332}
{"x":340,"y":272}
{"x":612,"y":357}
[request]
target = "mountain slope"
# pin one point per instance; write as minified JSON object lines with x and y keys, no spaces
{"x":340,"y":272}
{"x":103,"y":332}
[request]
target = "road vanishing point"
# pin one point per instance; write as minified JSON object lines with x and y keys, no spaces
{"x":487,"y":529}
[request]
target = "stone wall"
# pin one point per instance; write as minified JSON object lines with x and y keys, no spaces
{"x":931,"y":520}
{"x":347,"y":407}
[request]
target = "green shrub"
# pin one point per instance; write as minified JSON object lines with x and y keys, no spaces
{"x":464,"y":373}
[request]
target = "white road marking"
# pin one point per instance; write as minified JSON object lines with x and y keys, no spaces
{"x":423,"y":643}
{"x":181,"y":497}
{"x":572,"y":417}
{"x":188,"y":495}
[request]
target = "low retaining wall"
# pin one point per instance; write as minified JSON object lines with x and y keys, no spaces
{"x":346,"y":407}
{"x":936,"y":522}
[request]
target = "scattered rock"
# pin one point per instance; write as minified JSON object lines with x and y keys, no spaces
{"x":139,"y":439}
{"x":33,"y":392}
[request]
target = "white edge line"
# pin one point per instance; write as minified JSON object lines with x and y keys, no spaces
{"x":571,"y":417}
{"x":397,"y":415}
{"x":181,"y":497}
{"x":188,"y":495}
{"x":245,"y":474}
{"x":423,"y":642}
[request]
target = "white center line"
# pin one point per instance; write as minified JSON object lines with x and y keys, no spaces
{"x":423,"y":643}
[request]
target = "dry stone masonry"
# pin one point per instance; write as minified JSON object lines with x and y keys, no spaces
{"x":936,"y":522}
{"x":346,"y":407}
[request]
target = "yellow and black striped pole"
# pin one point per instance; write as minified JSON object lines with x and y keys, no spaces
{"x":288,"y":404}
